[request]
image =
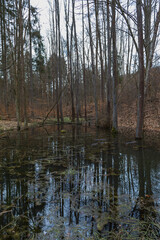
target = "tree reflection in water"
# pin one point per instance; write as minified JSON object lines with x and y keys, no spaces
{"x":82,"y":184}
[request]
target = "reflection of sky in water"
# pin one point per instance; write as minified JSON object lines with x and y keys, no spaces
{"x":68,"y":181}
{"x":93,"y":179}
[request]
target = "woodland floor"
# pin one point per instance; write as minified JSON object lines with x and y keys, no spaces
{"x":127,"y":116}
{"x":126,"y":121}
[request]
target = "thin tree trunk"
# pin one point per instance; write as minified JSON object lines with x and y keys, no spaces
{"x":96,"y":3}
{"x":77,"y":61}
{"x":104,"y":42}
{"x":108,"y":69}
{"x":140,"y":110}
{"x":22,"y":73}
{"x":152,"y":49}
{"x":30,"y":58}
{"x":59,"y":58}
{"x":57,"y":84}
{"x":18,"y":69}
{"x":84,"y":75}
{"x":115,"y":73}
{"x":69,"y":56}
{"x":128,"y":43}
{"x":147,"y":27}
{"x":71,"y":74}
{"x":4,"y":53}
{"x":93,"y":65}
{"x":128,"y":24}
{"x":24,"y":84}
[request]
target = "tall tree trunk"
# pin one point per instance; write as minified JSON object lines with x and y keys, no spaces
{"x":84,"y":75}
{"x":18,"y":69}
{"x":104,"y":42}
{"x":115,"y":73}
{"x":147,"y":27}
{"x":57,"y":82}
{"x":59,"y":58}
{"x":140,"y":110}
{"x":57,"y":12}
{"x":22,"y":72}
{"x":71,"y":72}
{"x":77,"y":61}
{"x":4,"y":52}
{"x":30,"y":58}
{"x":152,"y":49}
{"x":109,"y":68}
{"x":69,"y":56}
{"x":128,"y":43}
{"x":93,"y":64}
{"x":96,"y":3}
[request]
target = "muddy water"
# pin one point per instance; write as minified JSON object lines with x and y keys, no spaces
{"x":77,"y":184}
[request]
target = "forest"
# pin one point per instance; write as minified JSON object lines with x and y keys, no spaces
{"x":80,"y":120}
{"x":98,"y":51}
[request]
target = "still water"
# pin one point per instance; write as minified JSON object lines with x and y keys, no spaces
{"x":77,"y":184}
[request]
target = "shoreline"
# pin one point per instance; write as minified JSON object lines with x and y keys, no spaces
{"x":151,"y":136}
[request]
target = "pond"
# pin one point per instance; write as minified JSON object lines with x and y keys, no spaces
{"x":77,"y":183}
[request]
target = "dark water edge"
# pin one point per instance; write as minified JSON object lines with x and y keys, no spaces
{"x":81,"y":183}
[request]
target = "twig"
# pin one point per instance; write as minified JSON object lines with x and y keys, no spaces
{"x":6,"y":226}
{"x":5,"y":212}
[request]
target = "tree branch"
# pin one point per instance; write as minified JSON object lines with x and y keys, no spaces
{"x":59,"y":97}
{"x":129,"y":27}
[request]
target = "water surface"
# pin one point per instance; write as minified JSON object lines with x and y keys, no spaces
{"x":81,"y":184}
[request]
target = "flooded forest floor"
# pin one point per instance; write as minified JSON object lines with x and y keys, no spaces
{"x":81,"y":182}
{"x":127,"y":113}
{"x":127,"y":118}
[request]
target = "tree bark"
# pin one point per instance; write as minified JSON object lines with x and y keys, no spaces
{"x":77,"y":62}
{"x":152,"y":49}
{"x":109,"y":68}
{"x":96,"y":4}
{"x":115,"y":73}
{"x":93,"y":65}
{"x":84,"y":75}
{"x":30,"y":56}
{"x":140,"y":110}
{"x":59,"y":56}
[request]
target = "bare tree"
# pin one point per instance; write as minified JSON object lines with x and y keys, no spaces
{"x":77,"y":62}
{"x":109,"y":68}
{"x":150,"y":38}
{"x":150,"y":44}
{"x":140,"y":110}
{"x":30,"y":54}
{"x":98,"y":35}
{"x":115,"y":73}
{"x":69,"y":40}
{"x":59,"y":54}
{"x":92,"y":62}
{"x":84,"y":75}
